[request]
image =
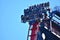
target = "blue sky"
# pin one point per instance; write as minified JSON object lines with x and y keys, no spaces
{"x":11,"y":27}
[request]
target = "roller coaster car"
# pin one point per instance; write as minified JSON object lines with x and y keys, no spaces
{"x":57,"y":13}
{"x":56,"y":28}
{"x":34,"y":12}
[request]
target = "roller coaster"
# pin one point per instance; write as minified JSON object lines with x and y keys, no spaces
{"x":42,"y":20}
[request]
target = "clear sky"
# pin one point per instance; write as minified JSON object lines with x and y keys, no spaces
{"x":11,"y":27}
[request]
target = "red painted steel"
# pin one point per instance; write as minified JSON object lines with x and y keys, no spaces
{"x":34,"y":30}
